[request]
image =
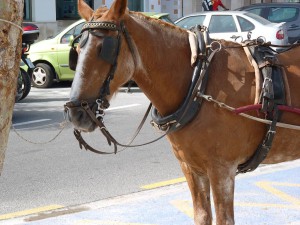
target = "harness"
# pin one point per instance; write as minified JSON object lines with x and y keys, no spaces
{"x":191,"y":104}
{"x":186,"y":112}
{"x":271,"y":97}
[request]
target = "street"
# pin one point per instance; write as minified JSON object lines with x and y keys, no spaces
{"x":60,"y":173}
{"x":56,"y":183}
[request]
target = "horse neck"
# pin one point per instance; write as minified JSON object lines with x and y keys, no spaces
{"x":163,"y":70}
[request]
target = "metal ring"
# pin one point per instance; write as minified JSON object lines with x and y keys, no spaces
{"x":262,"y":38}
{"x":220,"y":45}
{"x":84,"y":104}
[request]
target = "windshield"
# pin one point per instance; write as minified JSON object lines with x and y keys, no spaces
{"x":258,"y":18}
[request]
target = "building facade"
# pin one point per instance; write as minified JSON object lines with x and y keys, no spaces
{"x":52,"y":16}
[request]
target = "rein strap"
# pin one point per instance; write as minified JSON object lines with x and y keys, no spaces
{"x":109,"y":137}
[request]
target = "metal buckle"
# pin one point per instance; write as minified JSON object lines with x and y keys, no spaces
{"x":162,"y":127}
{"x":100,"y":111}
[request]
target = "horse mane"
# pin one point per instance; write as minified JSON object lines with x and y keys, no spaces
{"x":98,"y":13}
{"x":156,"y":21}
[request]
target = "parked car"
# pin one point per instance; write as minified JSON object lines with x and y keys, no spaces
{"x":229,"y":25}
{"x":51,"y":56}
{"x":279,"y":12}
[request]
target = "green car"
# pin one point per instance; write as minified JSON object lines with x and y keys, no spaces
{"x":51,"y":56}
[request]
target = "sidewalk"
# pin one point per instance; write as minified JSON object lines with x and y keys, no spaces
{"x":268,"y":196}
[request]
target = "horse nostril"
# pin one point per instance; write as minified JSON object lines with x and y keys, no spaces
{"x":80,"y":114}
{"x":77,"y":115}
{"x":73,"y":114}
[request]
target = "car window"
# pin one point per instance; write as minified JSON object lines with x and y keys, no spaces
{"x":245,"y":24}
{"x":74,"y":31}
{"x":191,"y":21}
{"x":256,"y":11}
{"x":283,"y":14}
{"x":222,"y":24}
{"x":78,"y":29}
{"x":258,"y":18}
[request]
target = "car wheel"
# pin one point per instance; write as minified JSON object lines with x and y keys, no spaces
{"x":42,"y":76}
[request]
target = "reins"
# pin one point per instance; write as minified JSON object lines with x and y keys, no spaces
{"x":109,"y":137}
{"x":241,"y":111}
{"x":62,"y":127}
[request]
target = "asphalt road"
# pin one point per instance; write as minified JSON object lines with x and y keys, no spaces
{"x":268,"y":196}
{"x":55,"y":173}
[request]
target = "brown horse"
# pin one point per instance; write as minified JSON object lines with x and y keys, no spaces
{"x":157,"y":56}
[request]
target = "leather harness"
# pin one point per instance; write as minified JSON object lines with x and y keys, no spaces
{"x":271,"y":96}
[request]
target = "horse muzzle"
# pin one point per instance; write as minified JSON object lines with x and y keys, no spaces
{"x":76,"y":114}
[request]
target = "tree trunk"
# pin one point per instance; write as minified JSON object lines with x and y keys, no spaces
{"x":10,"y":54}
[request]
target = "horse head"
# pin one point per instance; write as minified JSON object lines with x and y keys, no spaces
{"x":103,"y":44}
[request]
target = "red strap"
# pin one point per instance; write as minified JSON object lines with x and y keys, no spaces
{"x":258,"y":106}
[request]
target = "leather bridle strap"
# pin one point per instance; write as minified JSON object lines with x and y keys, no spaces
{"x":109,"y":137}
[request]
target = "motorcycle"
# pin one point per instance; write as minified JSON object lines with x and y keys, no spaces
{"x":30,"y":34}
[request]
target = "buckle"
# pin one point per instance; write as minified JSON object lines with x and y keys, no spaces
{"x":162,"y":127}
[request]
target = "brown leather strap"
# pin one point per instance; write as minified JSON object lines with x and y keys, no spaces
{"x":109,"y":137}
{"x":262,"y":150}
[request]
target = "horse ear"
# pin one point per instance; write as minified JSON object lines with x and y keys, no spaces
{"x":118,"y":8}
{"x":84,"y":10}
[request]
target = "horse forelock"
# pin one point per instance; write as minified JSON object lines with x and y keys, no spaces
{"x":100,"y":12}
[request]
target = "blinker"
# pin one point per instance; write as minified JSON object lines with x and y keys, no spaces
{"x":109,"y":50}
{"x":73,"y":57}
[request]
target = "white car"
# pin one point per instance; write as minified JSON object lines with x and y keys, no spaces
{"x":237,"y":26}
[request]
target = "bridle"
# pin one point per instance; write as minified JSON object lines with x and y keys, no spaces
{"x":109,"y":53}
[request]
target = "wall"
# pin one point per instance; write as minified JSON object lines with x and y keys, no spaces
{"x":44,"y":16}
{"x":98,"y":3}
{"x":43,"y":11}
